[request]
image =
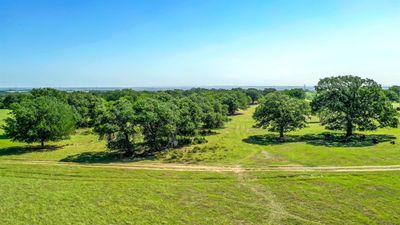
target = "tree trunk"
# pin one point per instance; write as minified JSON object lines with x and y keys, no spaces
{"x":42,"y":143}
{"x":349,"y":129}
{"x":281,"y":133}
{"x":129,"y":151}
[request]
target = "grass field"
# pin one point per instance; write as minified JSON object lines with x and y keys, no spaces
{"x":339,"y":198}
{"x":58,"y":195}
{"x":71,"y":193}
{"x":37,"y":194}
{"x":239,"y":143}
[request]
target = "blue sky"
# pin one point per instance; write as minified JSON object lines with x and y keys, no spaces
{"x":93,"y":43}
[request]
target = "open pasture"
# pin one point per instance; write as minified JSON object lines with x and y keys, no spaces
{"x":69,"y":193}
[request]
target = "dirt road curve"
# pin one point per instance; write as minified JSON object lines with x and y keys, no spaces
{"x":189,"y":167}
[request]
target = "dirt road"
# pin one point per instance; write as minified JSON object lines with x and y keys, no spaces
{"x":206,"y":168}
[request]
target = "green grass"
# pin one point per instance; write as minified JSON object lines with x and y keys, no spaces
{"x":38,"y":194}
{"x":336,"y":198}
{"x":229,"y":147}
{"x":41,"y":194}
{"x":73,"y":194}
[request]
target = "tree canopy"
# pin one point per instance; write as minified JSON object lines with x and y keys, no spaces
{"x":296,"y":93}
{"x":117,"y":124}
{"x":253,"y":94}
{"x":40,"y":119}
{"x":85,"y":106}
{"x":395,"y":89}
{"x":392,"y":95}
{"x":158,"y":122}
{"x":281,"y":113}
{"x":231,"y":102}
{"x":266,"y":91}
{"x":352,"y":103}
{"x":190,"y":117}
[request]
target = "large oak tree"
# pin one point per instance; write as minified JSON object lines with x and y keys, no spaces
{"x":116,"y":123}
{"x":352,"y":103}
{"x":281,"y":113}
{"x":158,"y":121}
{"x":40,"y":119}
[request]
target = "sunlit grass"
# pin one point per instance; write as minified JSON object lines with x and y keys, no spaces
{"x":45,"y":194}
{"x":229,"y":147}
{"x":38,"y":194}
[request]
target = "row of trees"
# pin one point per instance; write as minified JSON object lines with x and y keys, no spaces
{"x":82,"y":100}
{"x":345,"y":103}
{"x":130,"y":121}
{"x":162,"y":121}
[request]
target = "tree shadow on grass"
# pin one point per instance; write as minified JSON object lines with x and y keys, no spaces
{"x":3,"y":137}
{"x":103,"y":157}
{"x":19,"y":150}
{"x":209,"y":132}
{"x":236,"y":114}
{"x":323,"y":139}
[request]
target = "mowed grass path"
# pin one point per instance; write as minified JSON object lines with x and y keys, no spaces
{"x":229,"y":146}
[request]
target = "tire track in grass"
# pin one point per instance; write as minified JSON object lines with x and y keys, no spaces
{"x":275,"y":212}
{"x":207,"y":168}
